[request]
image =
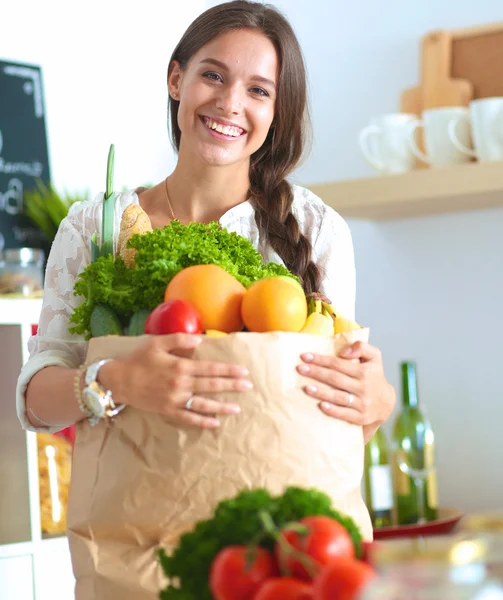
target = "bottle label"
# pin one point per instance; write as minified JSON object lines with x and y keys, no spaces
{"x":432,"y":489}
{"x":381,"y":486}
{"x":431,"y":479}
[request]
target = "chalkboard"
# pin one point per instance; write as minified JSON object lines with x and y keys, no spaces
{"x":23,"y":150}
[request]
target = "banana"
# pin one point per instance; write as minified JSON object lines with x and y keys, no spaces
{"x":320,"y":308}
{"x":215,"y":333}
{"x":338,"y":323}
{"x":343,"y":325}
{"x":318,"y":324}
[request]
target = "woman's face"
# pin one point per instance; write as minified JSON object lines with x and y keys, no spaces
{"x":227,"y":95}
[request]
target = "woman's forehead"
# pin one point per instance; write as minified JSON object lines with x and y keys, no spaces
{"x":241,"y":49}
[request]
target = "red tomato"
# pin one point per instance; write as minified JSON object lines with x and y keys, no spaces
{"x":284,"y":588}
{"x":231,"y":578}
{"x":342,"y":579}
{"x":324,"y":540}
{"x":174,"y":316}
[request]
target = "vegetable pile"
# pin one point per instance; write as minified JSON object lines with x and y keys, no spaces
{"x":256,"y":546}
{"x":161,"y":254}
{"x":195,"y":278}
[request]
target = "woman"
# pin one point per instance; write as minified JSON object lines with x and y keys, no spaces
{"x":237,"y":102}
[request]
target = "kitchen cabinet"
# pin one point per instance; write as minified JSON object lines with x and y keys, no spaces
{"x":31,"y":567}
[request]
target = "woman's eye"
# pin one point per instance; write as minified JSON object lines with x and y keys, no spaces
{"x":259,"y":91}
{"x":212,"y":75}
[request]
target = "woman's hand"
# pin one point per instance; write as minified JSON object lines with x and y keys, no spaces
{"x":354,"y":391}
{"x":160,"y":376}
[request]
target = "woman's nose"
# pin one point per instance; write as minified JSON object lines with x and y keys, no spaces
{"x":230,"y":100}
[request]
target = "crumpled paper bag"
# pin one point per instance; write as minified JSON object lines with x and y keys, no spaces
{"x":139,"y":482}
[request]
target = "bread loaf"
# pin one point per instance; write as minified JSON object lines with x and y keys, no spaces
{"x":134,"y":220}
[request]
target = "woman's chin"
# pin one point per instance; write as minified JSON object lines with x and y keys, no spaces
{"x":220,"y":157}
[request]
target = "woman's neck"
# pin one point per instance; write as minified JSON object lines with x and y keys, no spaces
{"x":206,"y":193}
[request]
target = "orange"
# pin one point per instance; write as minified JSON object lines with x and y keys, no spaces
{"x":214,"y":293}
{"x":273,"y":304}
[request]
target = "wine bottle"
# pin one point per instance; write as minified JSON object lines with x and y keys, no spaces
{"x":378,"y":484}
{"x":415,"y":478}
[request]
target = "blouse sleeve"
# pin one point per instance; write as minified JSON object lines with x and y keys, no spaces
{"x":54,"y":345}
{"x":334,"y":254}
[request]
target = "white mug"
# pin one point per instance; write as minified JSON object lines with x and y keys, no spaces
{"x":384,"y":143}
{"x":441,"y":149}
{"x":486,"y":118}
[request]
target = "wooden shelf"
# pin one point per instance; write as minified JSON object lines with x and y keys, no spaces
{"x":471,"y":186}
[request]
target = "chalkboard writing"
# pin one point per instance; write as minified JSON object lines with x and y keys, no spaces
{"x":23,"y":150}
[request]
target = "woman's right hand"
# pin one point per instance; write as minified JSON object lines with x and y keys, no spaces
{"x":160,"y":376}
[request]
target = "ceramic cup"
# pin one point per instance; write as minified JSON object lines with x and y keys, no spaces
{"x":384,"y":143}
{"x":486,"y":119}
{"x":441,"y":149}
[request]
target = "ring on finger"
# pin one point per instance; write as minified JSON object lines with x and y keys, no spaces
{"x":188,"y":404}
{"x":351,"y":399}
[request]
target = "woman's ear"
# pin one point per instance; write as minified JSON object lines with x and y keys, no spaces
{"x":174,"y":79}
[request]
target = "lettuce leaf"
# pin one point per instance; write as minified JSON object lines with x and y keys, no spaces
{"x":161,"y":254}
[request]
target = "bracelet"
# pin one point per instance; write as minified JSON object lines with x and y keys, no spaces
{"x":78,"y":391}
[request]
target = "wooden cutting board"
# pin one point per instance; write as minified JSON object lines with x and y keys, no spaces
{"x":437,"y":87}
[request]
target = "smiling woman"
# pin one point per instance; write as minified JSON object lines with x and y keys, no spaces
{"x":239,"y":122}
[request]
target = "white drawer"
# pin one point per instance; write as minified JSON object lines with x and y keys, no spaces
{"x":16,"y":578}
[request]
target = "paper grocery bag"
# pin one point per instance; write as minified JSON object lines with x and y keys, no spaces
{"x":139,"y":482}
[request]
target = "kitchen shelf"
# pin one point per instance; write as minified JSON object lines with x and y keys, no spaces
{"x":422,"y":192}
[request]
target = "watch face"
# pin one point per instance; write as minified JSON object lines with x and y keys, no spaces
{"x":93,"y":401}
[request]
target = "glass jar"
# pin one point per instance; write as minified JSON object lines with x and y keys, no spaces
{"x":456,"y":567}
{"x":21,"y":271}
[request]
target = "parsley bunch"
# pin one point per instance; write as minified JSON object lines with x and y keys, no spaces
{"x":161,"y":255}
{"x":237,"y":521}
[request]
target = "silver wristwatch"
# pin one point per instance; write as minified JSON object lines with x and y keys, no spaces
{"x":97,"y":402}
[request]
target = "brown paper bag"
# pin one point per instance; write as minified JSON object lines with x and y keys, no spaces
{"x":139,"y":482}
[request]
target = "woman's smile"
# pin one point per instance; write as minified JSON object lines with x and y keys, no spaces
{"x":222,"y":130}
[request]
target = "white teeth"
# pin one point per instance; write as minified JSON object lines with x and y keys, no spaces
{"x":225,"y":129}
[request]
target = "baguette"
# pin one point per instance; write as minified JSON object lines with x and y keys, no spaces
{"x":134,"y":220}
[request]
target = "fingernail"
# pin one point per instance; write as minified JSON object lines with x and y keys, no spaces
{"x":246,"y":385}
{"x":214,"y":424}
{"x":304,"y":369}
{"x":308,"y":357}
{"x":235,"y":409}
{"x":347,"y":351}
{"x":243,"y":371}
{"x":311,"y":389}
{"x":326,"y":405}
{"x":195,"y":339}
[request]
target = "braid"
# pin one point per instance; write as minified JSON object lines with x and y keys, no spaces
{"x":274,"y":217}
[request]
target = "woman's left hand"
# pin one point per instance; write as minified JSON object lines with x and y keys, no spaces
{"x":355,"y":391}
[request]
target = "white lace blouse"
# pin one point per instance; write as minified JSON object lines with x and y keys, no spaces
{"x":70,"y":254}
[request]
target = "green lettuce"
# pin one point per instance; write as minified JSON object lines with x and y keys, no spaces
{"x":160,"y":255}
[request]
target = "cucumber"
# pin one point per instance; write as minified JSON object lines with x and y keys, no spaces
{"x":104,"y":321}
{"x":137,"y":322}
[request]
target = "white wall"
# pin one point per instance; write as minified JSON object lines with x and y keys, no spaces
{"x":430,"y":288}
{"x":104,"y":69}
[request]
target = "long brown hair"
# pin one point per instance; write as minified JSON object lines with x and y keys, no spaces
{"x":270,"y":192}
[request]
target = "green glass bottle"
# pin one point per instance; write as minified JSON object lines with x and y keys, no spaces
{"x":414,"y":473}
{"x":378,"y":483}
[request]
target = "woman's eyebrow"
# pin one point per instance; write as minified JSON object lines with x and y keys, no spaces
{"x":221,"y":65}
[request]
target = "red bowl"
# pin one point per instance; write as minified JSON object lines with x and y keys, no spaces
{"x":447,"y":520}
